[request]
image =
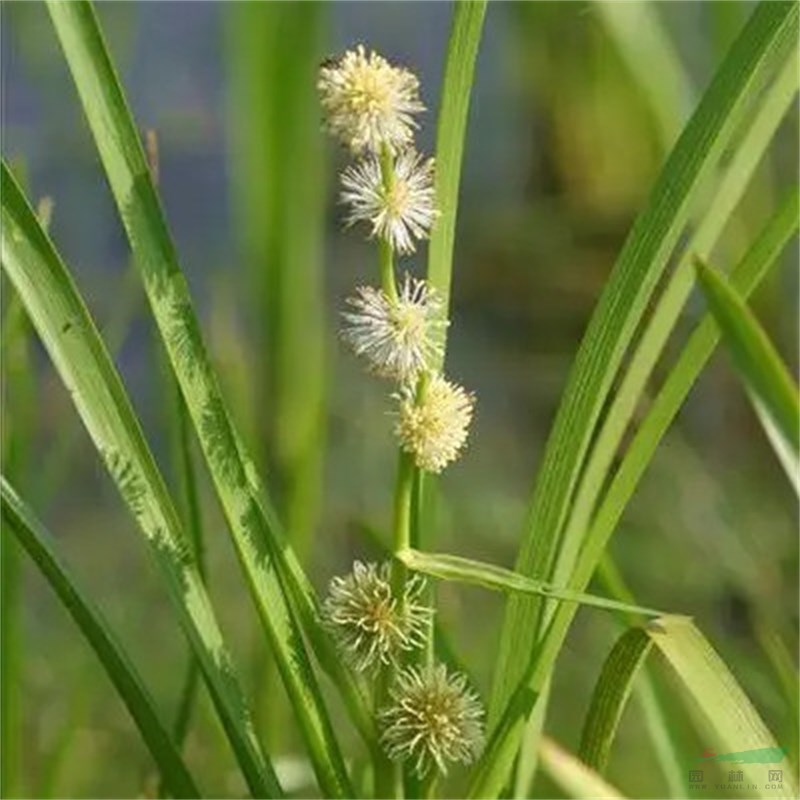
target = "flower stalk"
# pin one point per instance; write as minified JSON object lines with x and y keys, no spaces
{"x":385,"y":250}
{"x":383,"y":617}
{"x":401,"y":528}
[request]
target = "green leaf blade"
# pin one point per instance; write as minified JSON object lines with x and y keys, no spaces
{"x":74,"y":345}
{"x":764,"y":43}
{"x":463,"y":570}
{"x":724,"y":709}
{"x":32,"y":536}
{"x":732,"y":184}
{"x":754,"y":356}
{"x":490,"y":773}
{"x":766,"y":40}
{"x":259,"y":543}
{"x":610,"y":696}
{"x":462,"y":50}
{"x":746,"y":276}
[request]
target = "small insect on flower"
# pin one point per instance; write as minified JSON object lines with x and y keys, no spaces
{"x":433,"y":719}
{"x":369,"y":622}
{"x":367,"y":101}
{"x":397,"y":338}
{"x":399,"y":213}
{"x":434,"y":428}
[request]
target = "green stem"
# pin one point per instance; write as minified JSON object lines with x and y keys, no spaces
{"x":418,"y":522}
{"x":385,"y":252}
{"x":388,"y":775}
{"x":401,"y":529}
{"x":386,"y":263}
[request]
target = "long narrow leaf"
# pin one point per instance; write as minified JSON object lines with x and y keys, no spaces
{"x":489,"y":775}
{"x":254,"y":534}
{"x":652,"y":702}
{"x":464,"y":570}
{"x":745,"y":277}
{"x":610,"y":697}
{"x":528,"y":761}
{"x":725,"y":711}
{"x":183,"y":473}
{"x":77,"y":351}
{"x":30,"y":533}
{"x":765,"y":42}
{"x":756,"y":360}
{"x":747,"y":274}
{"x":731,"y":187}
{"x":462,"y":49}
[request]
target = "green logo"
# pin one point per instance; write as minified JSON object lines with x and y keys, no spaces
{"x":764,"y":755}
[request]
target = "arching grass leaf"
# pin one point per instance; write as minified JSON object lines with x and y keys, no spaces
{"x":29,"y":532}
{"x":463,"y":570}
{"x":71,"y":339}
{"x":272,"y":572}
{"x":768,"y":383}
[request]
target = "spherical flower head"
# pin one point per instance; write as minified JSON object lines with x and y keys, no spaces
{"x":369,"y":622}
{"x":398,"y":338}
{"x":433,"y":428}
{"x":400,"y":212}
{"x":432,"y":719}
{"x":368,"y":102}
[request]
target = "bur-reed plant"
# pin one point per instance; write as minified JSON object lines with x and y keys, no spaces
{"x":373,"y":637}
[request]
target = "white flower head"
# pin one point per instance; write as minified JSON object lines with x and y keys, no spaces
{"x":433,"y":719}
{"x":368,"y":102}
{"x":399,"y":338}
{"x":369,"y":622}
{"x":400,"y":213}
{"x":434,"y":427}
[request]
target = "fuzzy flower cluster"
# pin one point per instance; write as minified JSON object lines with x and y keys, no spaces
{"x":433,"y":718}
{"x":396,"y":338}
{"x":372,"y":624}
{"x":368,"y":102}
{"x":370,"y":106}
{"x":400,"y":210}
{"x":434,"y":431}
{"x":430,"y":717}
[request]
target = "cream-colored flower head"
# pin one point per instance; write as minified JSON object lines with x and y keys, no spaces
{"x":368,"y":102}
{"x":433,"y":719}
{"x":401,"y":213}
{"x":397,"y":338}
{"x":434,"y":428}
{"x":371,"y":624}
